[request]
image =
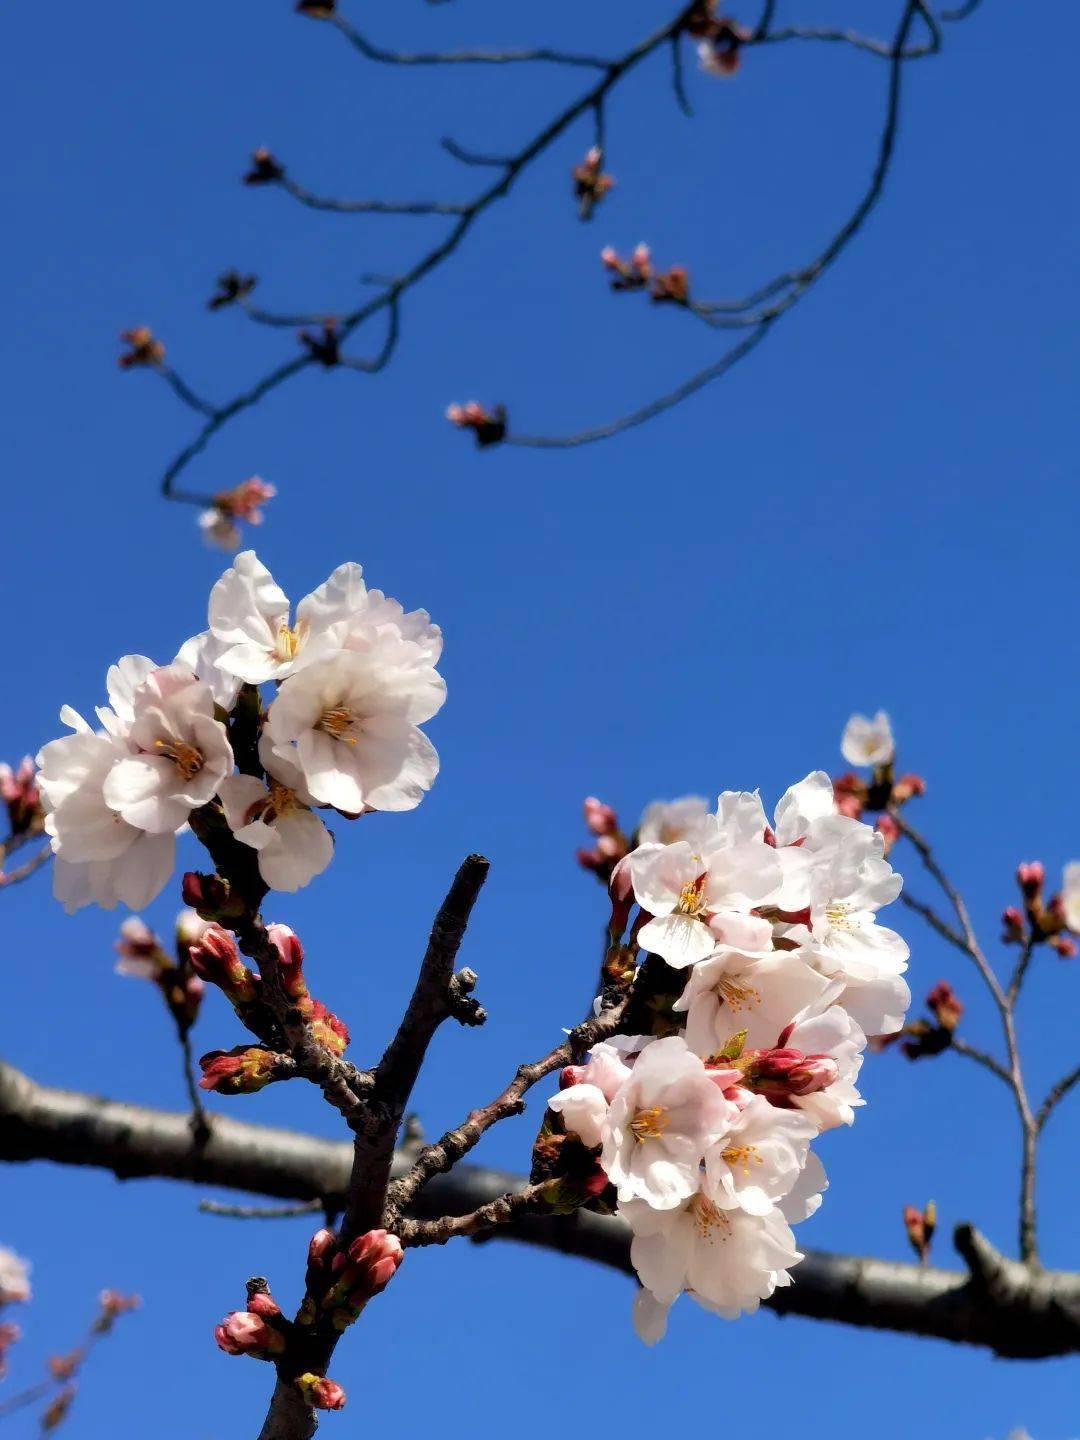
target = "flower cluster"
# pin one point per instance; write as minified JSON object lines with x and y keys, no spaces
{"x":14,"y":1278}
{"x":355,"y":677}
{"x":591,"y":184}
{"x":765,"y":971}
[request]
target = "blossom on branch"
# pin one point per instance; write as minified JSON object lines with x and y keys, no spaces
{"x":14,"y":1277}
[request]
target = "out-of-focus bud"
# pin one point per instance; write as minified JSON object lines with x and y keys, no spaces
{"x":216,"y":958}
{"x":265,"y":169}
{"x":720,"y":49}
{"x":141,"y":954}
{"x":20,"y":794}
{"x":1030,"y":876}
{"x":908,"y":787}
{"x":243,"y":1070}
{"x":143,"y":348}
{"x":57,"y":1409}
{"x":889,"y":830}
{"x":671,"y":286}
{"x":920,"y":1226}
{"x":112,"y":1304}
{"x":488,"y":426}
{"x":245,"y":501}
{"x":63,"y":1367}
{"x":1065,"y":946}
{"x":290,"y":961}
{"x":317,"y":9}
{"x":945,"y":1005}
{"x":632,"y":274}
{"x":783,"y":1073}
{"x":849,"y":795}
{"x":9,"y":1334}
{"x":600,"y":818}
{"x":611,"y":844}
{"x":1012,"y":922}
{"x":324,"y":346}
{"x":321,"y":1393}
{"x":590,"y":183}
{"x":231,"y":286}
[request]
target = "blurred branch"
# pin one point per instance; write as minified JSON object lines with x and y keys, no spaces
{"x":1035,"y":1314}
{"x":751,"y":314}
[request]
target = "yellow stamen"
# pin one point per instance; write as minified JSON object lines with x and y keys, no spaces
{"x":187,"y":759}
{"x":738,"y":997}
{"x":838,"y":914}
{"x":289,"y":639}
{"x":335,"y":722}
{"x":712,"y":1224}
{"x":741,"y":1157}
{"x":649,"y":1124}
{"x":691,"y":901}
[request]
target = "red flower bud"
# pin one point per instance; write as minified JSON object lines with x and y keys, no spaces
{"x":1013,"y":924}
{"x":920,"y":1226}
{"x":376,"y":1257}
{"x":887,"y":827}
{"x":216,"y":958}
{"x":244,"y":1070}
{"x":290,"y":960}
{"x":783,"y":1073}
{"x":945,"y":1005}
{"x":907,"y":787}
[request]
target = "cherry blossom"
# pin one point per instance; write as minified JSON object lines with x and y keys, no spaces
{"x":180,"y":753}
{"x":868,"y":742}
{"x":665,"y":821}
{"x":1070,"y":894}
{"x":588,"y":1091}
{"x":758,"y":993}
{"x":698,"y":898}
{"x":730,"y":1260}
{"x":349,"y":722}
{"x":830,"y":1031}
{"x":275,"y":819}
{"x":661,"y":1122}
{"x":760,"y":1158}
{"x":99,"y":857}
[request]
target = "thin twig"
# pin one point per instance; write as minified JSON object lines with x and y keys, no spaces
{"x":1055,"y":1097}
{"x":261,"y":1212}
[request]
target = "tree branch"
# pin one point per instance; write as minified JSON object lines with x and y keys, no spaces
{"x":1036,"y":1314}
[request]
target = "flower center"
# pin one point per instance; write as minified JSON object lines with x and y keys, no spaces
{"x":336,"y":723}
{"x":738,"y":997}
{"x":691,"y":900}
{"x":649,"y":1124}
{"x":289,"y":639}
{"x":187,"y":759}
{"x":741,"y":1157}
{"x":838,"y":914}
{"x":712,"y":1224}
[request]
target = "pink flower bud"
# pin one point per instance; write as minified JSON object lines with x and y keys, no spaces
{"x":889,"y":830}
{"x":244,"y":1333}
{"x":323,"y":1243}
{"x":263,"y":1304}
{"x":1065,"y":946}
{"x":290,"y":960}
{"x":216,"y":958}
{"x":570,"y":1075}
{"x":1013,"y":924}
{"x":321,"y":1393}
{"x":1030,"y":875}
{"x":782,"y":1073}
{"x":600,"y":818}
{"x":376,"y":1257}
{"x":908,"y":786}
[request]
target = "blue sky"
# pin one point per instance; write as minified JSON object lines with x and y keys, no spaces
{"x":876,"y":510}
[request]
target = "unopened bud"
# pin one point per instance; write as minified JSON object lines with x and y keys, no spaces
{"x":376,"y":1257}
{"x":265,"y":169}
{"x":321,"y":1393}
{"x":244,"y":1070}
{"x":889,"y":830}
{"x":920,"y":1226}
{"x":242,"y":1332}
{"x":907,"y":787}
{"x":945,"y":1005}
{"x":781,"y":1074}
{"x":600,"y":818}
{"x":325,"y":1027}
{"x":1030,"y":875}
{"x":1012,"y":922}
{"x":290,"y":961}
{"x":1065,"y":946}
{"x":216,"y":958}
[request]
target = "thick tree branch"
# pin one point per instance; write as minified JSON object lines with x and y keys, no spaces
{"x":1029,"y":1314}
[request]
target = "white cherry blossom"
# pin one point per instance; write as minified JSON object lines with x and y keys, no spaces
{"x":349,"y":723}
{"x":868,"y":742}
{"x":756,"y":992}
{"x":661,"y":1122}
{"x":202,"y":656}
{"x":584,"y":1104}
{"x":831,"y":1031}
{"x":99,"y":857}
{"x":700,"y":898}
{"x":665,"y":821}
{"x":728,"y":1259}
{"x":760,"y":1159}
{"x":275,"y":819}
{"x":179,"y":753}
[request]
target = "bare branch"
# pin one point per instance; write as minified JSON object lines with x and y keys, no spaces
{"x":542,"y":56}
{"x":1056,"y":1095}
